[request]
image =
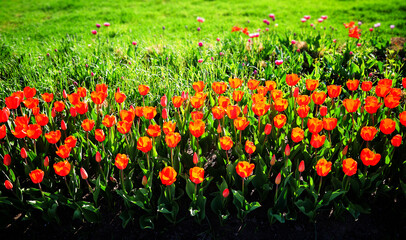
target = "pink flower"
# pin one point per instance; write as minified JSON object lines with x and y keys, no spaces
{"x":371,"y":29}
{"x":92,"y":74}
{"x":266,"y":21}
{"x":218,"y":39}
{"x":320,"y":20}
{"x":200,"y":44}
{"x":266,"y":29}
{"x":254,"y":35}
{"x":311,"y":25}
{"x":94,"y":32}
{"x":221,"y":54}
{"x":358,"y":44}
{"x":278,"y":62}
{"x":351,"y":53}
{"x":324,"y":17}
{"x":98,"y":25}
{"x":334,"y":40}
{"x":293,"y":42}
{"x":134,"y":43}
{"x":200,"y":20}
{"x":106,"y":24}
{"x":303,"y":20}
{"x":200,"y":60}
{"x":306,"y":17}
{"x":272,"y":16}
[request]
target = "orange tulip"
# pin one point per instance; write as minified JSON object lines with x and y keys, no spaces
{"x":315,"y":125}
{"x":303,"y":111}
{"x":98,"y":97}
{"x":244,"y":169}
{"x":233,"y":111}
{"x":31,"y":103}
{"x":261,"y":108}
{"x":74,"y":98}
{"x":81,"y":92}
{"x":102,"y":87}
{"x":196,"y":115}
{"x":297,"y":135}
{"x":168,"y":176}
{"x":59,"y":106}
{"x":241,"y":123}
{"x":368,"y":133}
{"x":196,"y":175}
{"x":235,"y":82}
{"x":196,"y":102}
{"x":197,"y":128}
{"x":319,"y":97}
{"x":33,"y":131}
{"x":144,"y":144}
{"x":219,"y":87}
{"x":402,"y":118}
{"x":177,"y":101}
{"x":119,"y":97}
{"x":124,"y":127}
{"x":366,"y":86}
{"x":70,"y":141}
{"x":271,"y":85}
{"x":312,"y":84}
{"x":369,"y":158}
{"x":169,"y":127}
{"x":20,"y":131}
{"x":396,"y":141}
{"x":63,"y":151}
{"x":223,"y":101}
{"x":292,"y":79}
{"x":198,"y":86}
{"x":218,"y":112}
{"x":62,"y":168}
{"x":127,"y":116}
{"x":392,"y":101}
{"x":139,"y":111}
{"x":279,"y":120}
{"x":372,"y":104}
{"x":172,"y":139}
{"x":303,"y":100}
{"x":238,"y":95}
{"x":250,"y":147}
{"x":252,"y":84}
{"x":387,"y":126}
{"x":317,"y":140}
{"x":276,"y":94}
{"x":323,"y":167}
{"x":37,"y":176}
{"x":382,"y":90}
{"x":351,"y":105}
{"x":262,"y":90}
{"x":48,"y":97}
{"x":154,"y":130}
{"x":333,"y":91}
{"x":3,"y":131}
{"x":53,"y":136}
{"x":349,"y":166}
{"x":281,"y":104}
{"x":13,"y":102}
{"x":329,"y":123}
{"x":352,"y":85}
{"x":4,"y":114}
{"x":149,"y":112}
{"x":121,"y":161}
{"x":109,"y":121}
{"x":258,"y":98}
{"x":29,"y":92}
{"x":99,"y":135}
{"x":88,"y":125}
{"x":226,"y":143}
{"x":143,"y":89}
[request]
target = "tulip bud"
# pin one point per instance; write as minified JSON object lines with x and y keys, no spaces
{"x":83,"y":173}
{"x":278,"y":179}
{"x":8,"y":185}
{"x":301,"y":166}
{"x":195,"y":158}
{"x":245,"y":111}
{"x":46,"y":161}
{"x":183,"y":95}
{"x":144,"y":181}
{"x":219,"y":129}
{"x":362,"y":109}
{"x":226,"y":192}
{"x":113,"y":179}
{"x":53,"y":113}
{"x":118,"y":89}
{"x":323,"y":111}
{"x":287,"y":150}
{"x":273,"y":160}
{"x":73,"y":112}
{"x":23,"y":153}
{"x":7,"y":160}
{"x":64,"y":95}
{"x":98,"y":157}
{"x":164,"y":101}
{"x":132,"y":108}
{"x":296,"y":92}
{"x":345,"y":150}
{"x":268,"y":128}
{"x":63,"y":125}
{"x":164,"y":113}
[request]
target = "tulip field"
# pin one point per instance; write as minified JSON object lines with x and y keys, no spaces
{"x":284,"y":124}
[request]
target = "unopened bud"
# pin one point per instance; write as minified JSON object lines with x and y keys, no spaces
{"x":46,"y":161}
{"x":23,"y":153}
{"x":53,"y":112}
{"x":287,"y":150}
{"x":7,"y":160}
{"x":64,"y":95}
{"x":83,"y":173}
{"x":278,"y":179}
{"x":323,"y":111}
{"x":273,"y":160}
{"x":144,"y":181}
{"x":219,"y":129}
{"x":296,"y":92}
{"x":301,"y":166}
{"x":63,"y":125}
{"x":195,"y":158}
{"x":98,"y":157}
{"x":226,"y":192}
{"x":164,"y":101}
{"x":268,"y":128}
{"x":345,"y":150}
{"x":245,"y":111}
{"x":113,"y":179}
{"x":8,"y":185}
{"x":164,"y":113}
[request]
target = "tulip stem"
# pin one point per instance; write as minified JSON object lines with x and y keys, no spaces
{"x":321,"y":180}
{"x":67,"y":185}
{"x":243,"y":186}
{"x":228,"y":160}
{"x":172,"y":156}
{"x":148,"y":161}
{"x":259,"y":126}
{"x":122,"y":180}
{"x":195,"y":196}
{"x":90,"y":188}
{"x":276,"y":193}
